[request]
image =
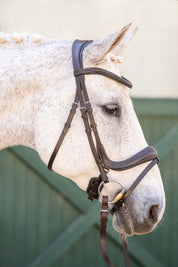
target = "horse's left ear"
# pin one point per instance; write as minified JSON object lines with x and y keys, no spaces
{"x":113,"y":43}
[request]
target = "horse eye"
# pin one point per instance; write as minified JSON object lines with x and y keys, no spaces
{"x":112,"y":109}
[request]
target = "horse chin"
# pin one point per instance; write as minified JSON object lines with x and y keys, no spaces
{"x":124,"y":224}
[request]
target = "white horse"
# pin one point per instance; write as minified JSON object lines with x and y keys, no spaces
{"x":37,"y":88}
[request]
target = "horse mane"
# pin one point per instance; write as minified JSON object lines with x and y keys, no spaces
{"x":23,"y":40}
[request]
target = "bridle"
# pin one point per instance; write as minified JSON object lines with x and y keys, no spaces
{"x":103,"y":162}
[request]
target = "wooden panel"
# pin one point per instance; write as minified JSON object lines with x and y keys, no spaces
{"x":156,"y":107}
{"x":46,"y":220}
{"x":32,"y":213}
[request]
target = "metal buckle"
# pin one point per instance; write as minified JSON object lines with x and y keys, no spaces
{"x":118,"y":196}
{"x":75,"y":103}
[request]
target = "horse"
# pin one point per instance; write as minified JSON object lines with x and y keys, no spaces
{"x":37,"y":89}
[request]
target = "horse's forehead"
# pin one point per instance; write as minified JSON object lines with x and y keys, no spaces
{"x":105,"y":90}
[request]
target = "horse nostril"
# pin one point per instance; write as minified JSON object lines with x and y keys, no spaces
{"x":153,"y":213}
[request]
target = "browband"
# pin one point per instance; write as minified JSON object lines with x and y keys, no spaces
{"x":103,"y":72}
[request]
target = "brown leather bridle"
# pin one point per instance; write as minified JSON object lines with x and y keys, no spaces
{"x":103,"y":162}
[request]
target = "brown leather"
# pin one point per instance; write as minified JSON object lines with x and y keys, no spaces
{"x":103,"y":222}
{"x":92,"y":189}
{"x":103,"y":225}
{"x":145,"y":155}
{"x":63,"y":134}
{"x":125,"y":250}
{"x":118,"y":204}
{"x":102,"y":160}
{"x":105,"y":73}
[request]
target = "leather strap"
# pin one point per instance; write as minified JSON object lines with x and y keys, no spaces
{"x":103,"y":222}
{"x":103,"y":72}
{"x":92,"y":189}
{"x":145,"y":155}
{"x":85,"y":106}
{"x":64,"y":132}
{"x":118,"y":204}
{"x":125,"y":250}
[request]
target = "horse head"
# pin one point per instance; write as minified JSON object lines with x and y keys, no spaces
{"x":37,"y":90}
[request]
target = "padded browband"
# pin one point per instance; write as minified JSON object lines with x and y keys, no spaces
{"x":105,"y":73}
{"x":145,"y":155}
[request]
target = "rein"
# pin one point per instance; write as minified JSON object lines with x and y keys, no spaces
{"x":103,"y":162}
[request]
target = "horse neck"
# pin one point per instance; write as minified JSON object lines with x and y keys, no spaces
{"x":25,"y":75}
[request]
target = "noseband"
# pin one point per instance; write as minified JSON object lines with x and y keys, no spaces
{"x":103,"y":162}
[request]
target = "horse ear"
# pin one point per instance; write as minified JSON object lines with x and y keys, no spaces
{"x":113,"y":43}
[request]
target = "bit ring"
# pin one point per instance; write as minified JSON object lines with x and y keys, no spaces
{"x":118,"y":196}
